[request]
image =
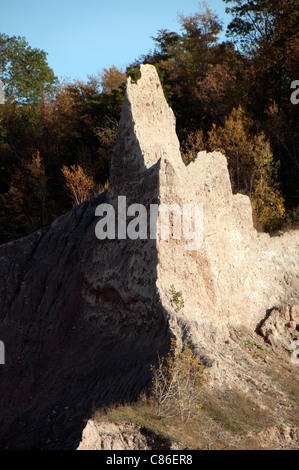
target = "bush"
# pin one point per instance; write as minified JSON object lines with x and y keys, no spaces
{"x":177,"y":383}
{"x":176,"y":299}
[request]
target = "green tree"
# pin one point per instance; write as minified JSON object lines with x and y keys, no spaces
{"x":267,"y":33}
{"x":197,"y":73}
{"x":24,"y":70}
{"x":192,"y":59}
{"x":261,"y":23}
{"x":267,"y":202}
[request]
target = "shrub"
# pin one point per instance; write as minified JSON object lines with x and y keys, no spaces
{"x":177,"y":383}
{"x":176,"y":298}
{"x":78,"y":184}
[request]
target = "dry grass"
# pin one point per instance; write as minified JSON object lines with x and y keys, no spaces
{"x":287,"y":379}
{"x":220,"y":424}
{"x":226,"y":420}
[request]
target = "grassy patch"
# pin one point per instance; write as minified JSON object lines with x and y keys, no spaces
{"x":256,"y":348}
{"x":219,"y":425}
{"x":226,"y":420}
{"x":237,"y":413}
{"x":142,"y":414}
{"x":286,"y":377}
{"x":196,"y":434}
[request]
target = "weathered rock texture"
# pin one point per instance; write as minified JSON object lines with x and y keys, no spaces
{"x":280,"y":328}
{"x":110,"y":436}
{"x":124,"y":436}
{"x":82,"y":319}
{"x":128,"y":436}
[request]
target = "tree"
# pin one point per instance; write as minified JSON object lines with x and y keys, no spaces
{"x":194,"y":143}
{"x":112,"y":79}
{"x":197,"y":73}
{"x":251,"y":166}
{"x":267,"y":202}
{"x":267,"y":32}
{"x":233,"y":138}
{"x":192,"y":60}
{"x":259,"y":23}
{"x":24,"y":71}
{"x":177,"y":383}
{"x":82,"y":125}
{"x":25,"y":206}
{"x":280,"y":125}
{"x":78,"y":184}
{"x":38,"y":184}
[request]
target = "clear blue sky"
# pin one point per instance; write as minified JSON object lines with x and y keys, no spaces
{"x":82,"y":37}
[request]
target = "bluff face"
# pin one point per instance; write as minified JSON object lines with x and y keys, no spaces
{"x":82,"y":319}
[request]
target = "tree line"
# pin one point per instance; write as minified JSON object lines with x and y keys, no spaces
{"x":57,"y":137}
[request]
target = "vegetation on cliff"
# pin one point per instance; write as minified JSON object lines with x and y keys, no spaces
{"x":232,"y":95}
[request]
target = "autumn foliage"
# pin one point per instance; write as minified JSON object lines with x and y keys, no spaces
{"x":78,"y":184}
{"x":177,"y":383}
{"x":232,"y":96}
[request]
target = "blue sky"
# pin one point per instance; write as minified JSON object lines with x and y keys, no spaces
{"x":82,"y":37}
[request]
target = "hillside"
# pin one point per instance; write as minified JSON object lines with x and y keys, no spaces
{"x":84,"y":316}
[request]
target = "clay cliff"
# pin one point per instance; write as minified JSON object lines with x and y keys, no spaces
{"x":82,"y":318}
